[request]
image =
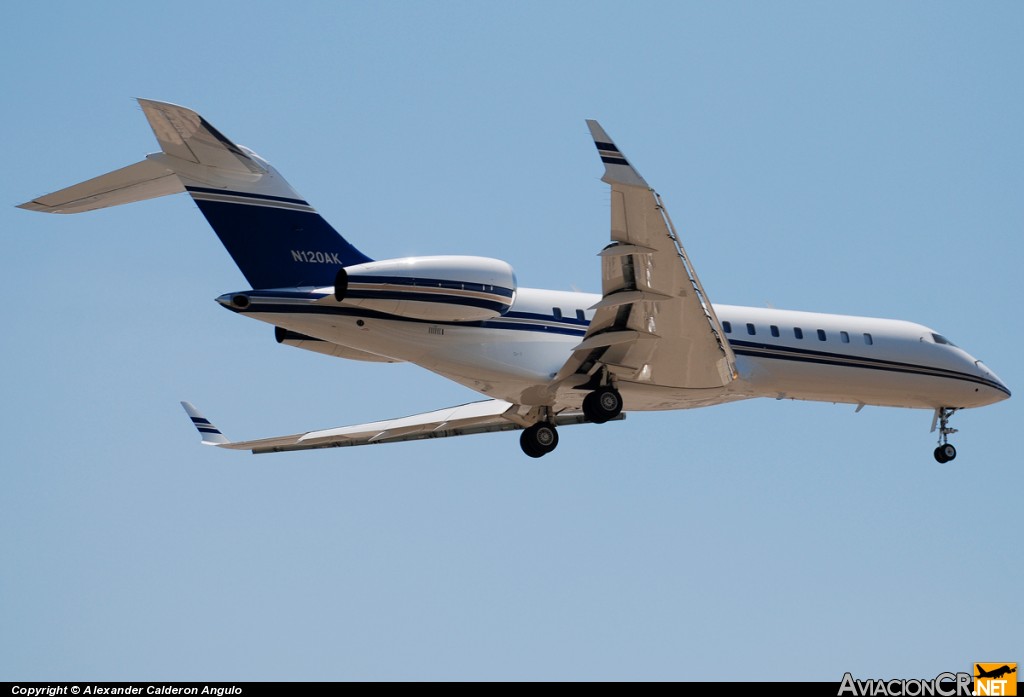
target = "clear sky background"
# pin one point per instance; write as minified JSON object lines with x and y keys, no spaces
{"x":861,"y":158}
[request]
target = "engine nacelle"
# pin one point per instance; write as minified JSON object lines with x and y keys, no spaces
{"x":439,"y":288}
{"x":309,"y":343}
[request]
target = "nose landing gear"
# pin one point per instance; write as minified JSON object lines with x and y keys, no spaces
{"x":945,"y":452}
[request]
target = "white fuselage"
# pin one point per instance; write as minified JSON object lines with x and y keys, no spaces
{"x":781,"y":354}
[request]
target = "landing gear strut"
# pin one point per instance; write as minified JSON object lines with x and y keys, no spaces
{"x":945,"y":452}
{"x":603,"y":404}
{"x":539,"y":440}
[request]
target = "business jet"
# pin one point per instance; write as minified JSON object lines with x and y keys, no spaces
{"x":544,"y":359}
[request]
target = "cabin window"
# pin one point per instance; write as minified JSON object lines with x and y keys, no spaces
{"x":557,"y":311}
{"x":775,"y":330}
{"x":580,"y":316}
{"x":727,"y":326}
{"x":751,"y":329}
{"x":798,"y":332}
{"x":821,"y":335}
{"x":868,"y":340}
{"x":844,"y":337}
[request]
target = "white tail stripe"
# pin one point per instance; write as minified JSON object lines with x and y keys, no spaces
{"x":250,"y":201}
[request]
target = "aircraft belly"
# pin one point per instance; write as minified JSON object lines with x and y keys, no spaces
{"x":645,"y":397}
{"x":341,"y":330}
{"x":499,"y":363}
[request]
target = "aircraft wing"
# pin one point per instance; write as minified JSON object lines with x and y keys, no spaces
{"x":478,"y":417}
{"x":654,"y":324}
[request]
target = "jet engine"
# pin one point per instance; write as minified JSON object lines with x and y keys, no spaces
{"x":309,"y":343}
{"x":435,"y":288}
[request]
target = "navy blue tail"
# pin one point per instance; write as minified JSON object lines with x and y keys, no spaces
{"x":277,"y":242}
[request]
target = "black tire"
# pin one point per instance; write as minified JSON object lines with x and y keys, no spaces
{"x":526,"y":443}
{"x":539,"y":440}
{"x":948,"y":452}
{"x":603,"y":404}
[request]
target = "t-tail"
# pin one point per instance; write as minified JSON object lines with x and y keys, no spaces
{"x":277,"y":239}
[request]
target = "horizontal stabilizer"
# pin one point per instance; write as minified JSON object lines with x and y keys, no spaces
{"x":184,"y":134}
{"x":275,"y":237}
{"x":138,"y":182}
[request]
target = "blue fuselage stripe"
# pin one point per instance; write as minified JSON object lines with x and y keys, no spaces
{"x":789,"y":353}
{"x":530,"y":322}
{"x":432,"y":283}
{"x":498,"y":307}
{"x":548,"y":324}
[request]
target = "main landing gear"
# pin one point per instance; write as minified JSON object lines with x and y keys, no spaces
{"x":945,"y":452}
{"x":539,"y":440}
{"x":601,"y":405}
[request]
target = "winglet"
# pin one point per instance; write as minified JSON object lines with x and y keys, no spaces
{"x":617,"y":169}
{"x":211,"y":434}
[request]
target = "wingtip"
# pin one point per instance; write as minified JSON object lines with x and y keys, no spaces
{"x":210,"y":434}
{"x":36,"y":206}
{"x":597,"y":132}
{"x":156,"y":102}
{"x":618,"y":170}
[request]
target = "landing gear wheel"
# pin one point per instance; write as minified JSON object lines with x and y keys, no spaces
{"x":603,"y":404}
{"x":539,"y":440}
{"x":945,"y":453}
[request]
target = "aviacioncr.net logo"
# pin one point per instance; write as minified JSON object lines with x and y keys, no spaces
{"x":943,"y":685}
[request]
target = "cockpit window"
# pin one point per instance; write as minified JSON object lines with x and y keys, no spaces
{"x":939,"y":339}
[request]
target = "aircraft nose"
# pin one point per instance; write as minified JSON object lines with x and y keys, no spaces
{"x":998,"y":389}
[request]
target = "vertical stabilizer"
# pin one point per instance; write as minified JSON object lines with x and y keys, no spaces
{"x":275,"y":237}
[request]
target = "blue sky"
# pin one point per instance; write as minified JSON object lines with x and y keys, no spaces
{"x":862,"y":158}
